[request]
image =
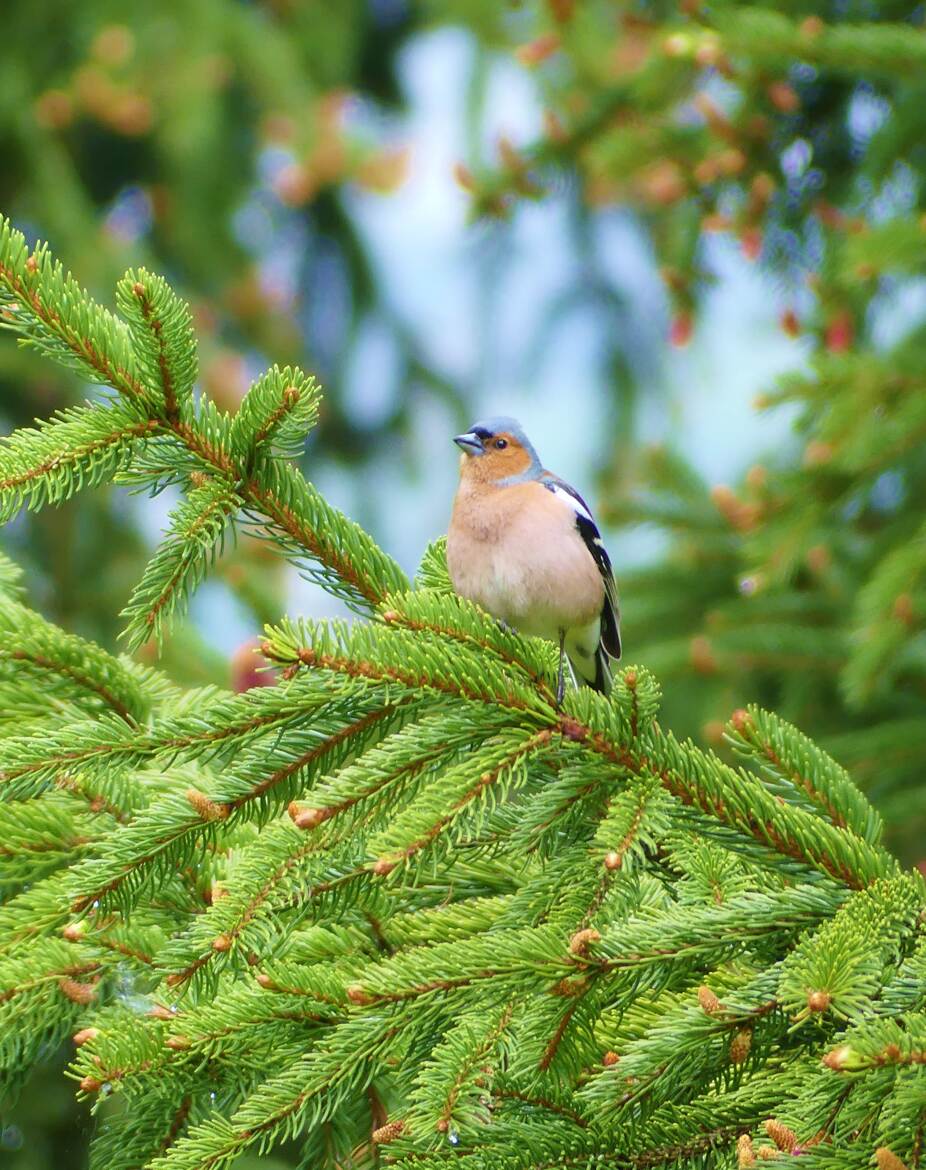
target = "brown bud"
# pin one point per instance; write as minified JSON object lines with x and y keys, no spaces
{"x":740,"y":1045}
{"x":731,"y":161}
{"x":712,"y":731}
{"x":681,"y":329}
{"x":383,"y":867}
{"x":307,"y":818}
{"x":464,"y":177}
{"x":443,"y":1125}
{"x":708,"y":1000}
{"x":391,"y":615}
{"x":266,"y":982}
{"x":85,"y":1035}
{"x":783,"y":1137}
{"x":221,"y":942}
{"x":610,"y":1059}
{"x":887,"y":1160}
{"x":741,"y":721}
{"x":715,"y":222}
{"x":840,"y":333}
{"x":751,"y":243}
{"x":357,"y":995}
{"x":745,"y":1155}
{"x":817,"y":453}
{"x":387,"y":1133}
{"x":561,"y":10}
{"x":818,"y":1001}
{"x":838,"y":1058}
{"x":811,"y":27}
{"x":783,"y":97}
{"x":903,"y":609}
{"x":553,"y":127}
{"x":160,"y":1012}
{"x":538,"y":50}
{"x":612,"y":860}
{"x":91,"y":1085}
{"x":82,"y":993}
{"x":702,"y":655}
{"x":74,"y":931}
{"x":819,"y":558}
{"x":208,"y":810}
{"x":178,"y":1043}
{"x":578,"y":944}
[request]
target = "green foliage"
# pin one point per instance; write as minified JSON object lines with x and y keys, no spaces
{"x":400,"y":908}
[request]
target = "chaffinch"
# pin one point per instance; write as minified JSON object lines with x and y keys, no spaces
{"x":523,"y":545}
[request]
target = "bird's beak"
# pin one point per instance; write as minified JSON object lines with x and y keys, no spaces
{"x":470,"y":443}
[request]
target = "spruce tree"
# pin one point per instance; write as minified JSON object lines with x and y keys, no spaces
{"x":399,"y":909}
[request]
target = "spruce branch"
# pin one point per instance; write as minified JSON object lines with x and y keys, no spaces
{"x":194,"y":539}
{"x":161,"y":330}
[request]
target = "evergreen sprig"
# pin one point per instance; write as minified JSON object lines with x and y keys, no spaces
{"x":401,"y":908}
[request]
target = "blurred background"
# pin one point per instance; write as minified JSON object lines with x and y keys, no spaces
{"x":684,"y":243}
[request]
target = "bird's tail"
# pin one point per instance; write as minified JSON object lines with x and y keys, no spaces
{"x":590,"y":669}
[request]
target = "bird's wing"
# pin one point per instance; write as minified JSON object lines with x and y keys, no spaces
{"x":588,"y":530}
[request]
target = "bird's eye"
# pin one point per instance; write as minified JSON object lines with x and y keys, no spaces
{"x":501,"y":444}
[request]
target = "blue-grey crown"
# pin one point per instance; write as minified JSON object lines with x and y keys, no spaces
{"x":486,"y":427}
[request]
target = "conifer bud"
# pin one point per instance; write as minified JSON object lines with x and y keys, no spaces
{"x":159,"y":1012}
{"x":91,"y":1085}
{"x":387,"y":1133}
{"x":840,"y":333}
{"x":903,"y":609}
{"x":178,"y":1043}
{"x":818,"y":558}
{"x":740,"y":1045}
{"x":811,"y":27}
{"x":307,"y":818}
{"x":745,"y":1155}
{"x":751,"y":243}
{"x":702,"y":655}
{"x":681,"y":329}
{"x":817,"y":453}
{"x":85,"y":1035}
{"x":818,"y":1001}
{"x":610,"y":1059}
{"x":538,"y":50}
{"x":265,"y":981}
{"x":553,"y":127}
{"x":82,"y":993}
{"x":887,"y":1160}
{"x":383,"y":867}
{"x":74,"y":931}
{"x":783,"y":97}
{"x":464,"y":177}
{"x":708,"y":1000}
{"x":783,"y":1137}
{"x":612,"y":860}
{"x":208,"y":810}
{"x":578,"y":944}
{"x":357,"y":995}
{"x":222,"y":942}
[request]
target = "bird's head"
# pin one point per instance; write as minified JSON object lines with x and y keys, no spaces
{"x":497,"y":451}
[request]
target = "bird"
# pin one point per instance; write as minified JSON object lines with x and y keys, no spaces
{"x":525,"y":547}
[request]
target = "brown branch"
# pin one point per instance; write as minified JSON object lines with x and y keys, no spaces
{"x":82,"y":680}
{"x":171,"y":406}
{"x":132,"y":430}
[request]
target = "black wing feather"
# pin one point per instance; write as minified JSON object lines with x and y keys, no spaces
{"x":588,"y":530}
